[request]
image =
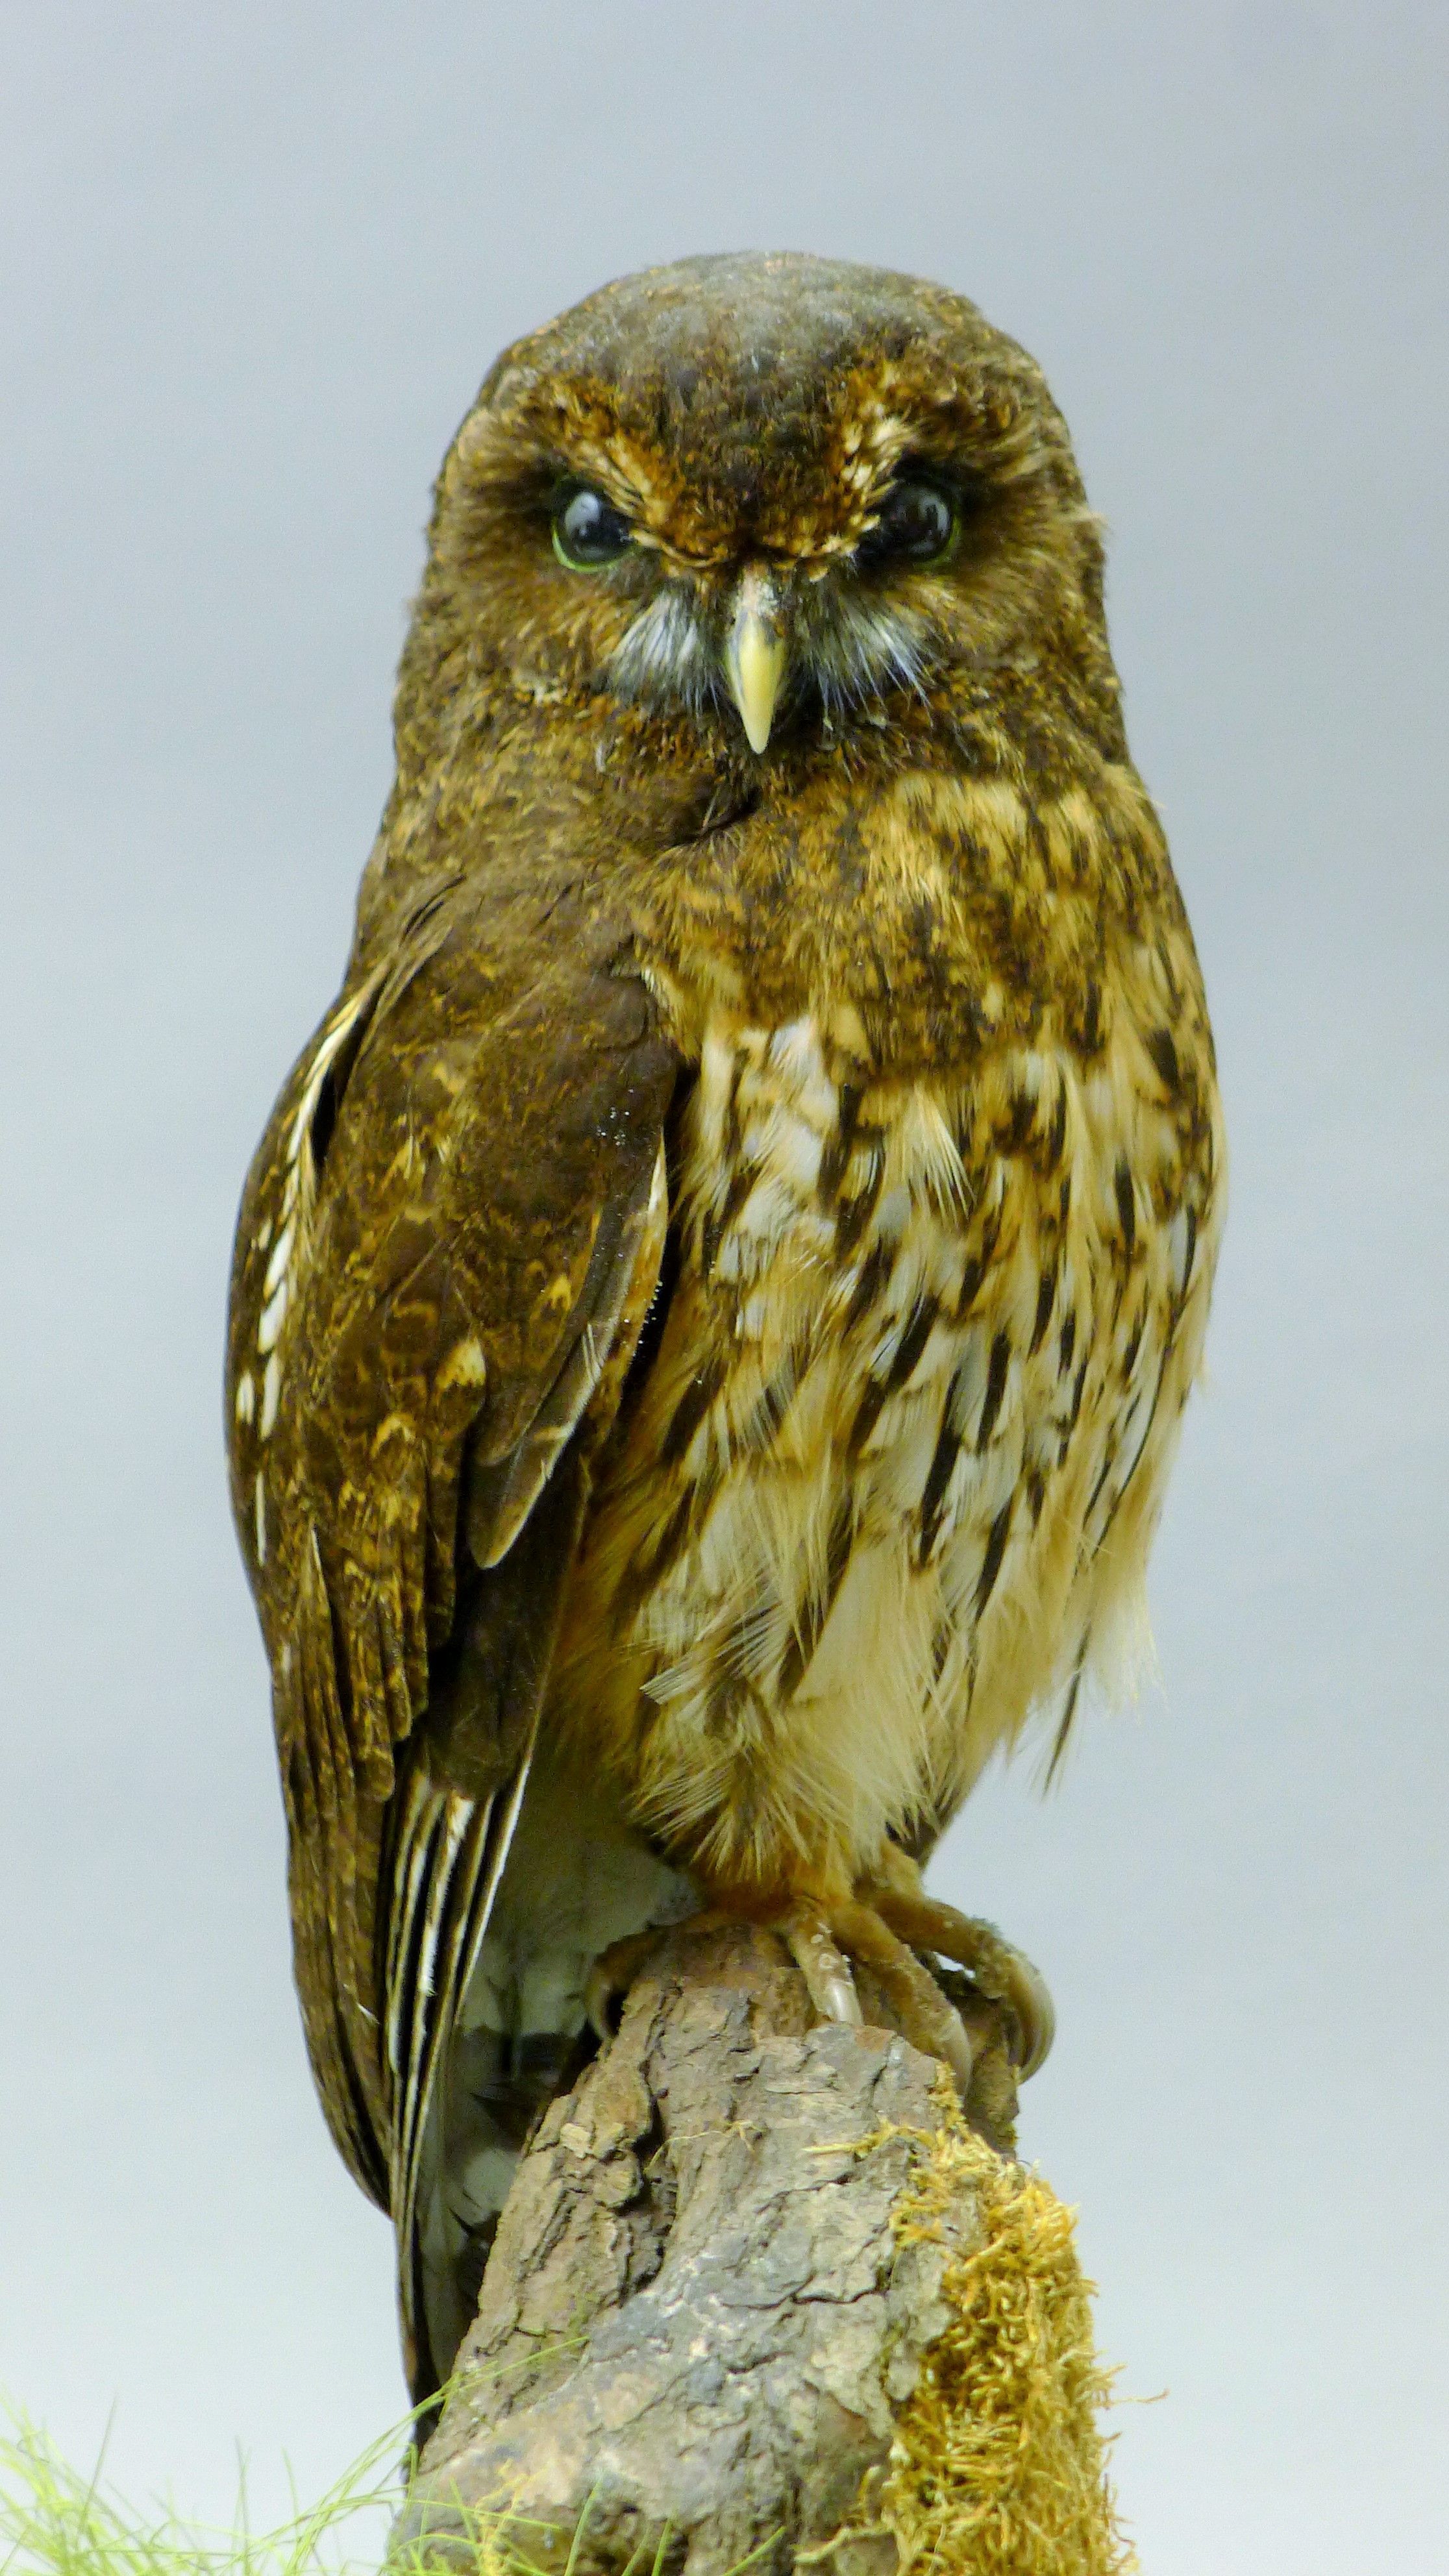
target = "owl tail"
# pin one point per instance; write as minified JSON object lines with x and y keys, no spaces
{"x":576,"y":1879}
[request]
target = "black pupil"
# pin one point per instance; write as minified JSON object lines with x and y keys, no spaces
{"x":915,"y":523}
{"x":590,"y":530}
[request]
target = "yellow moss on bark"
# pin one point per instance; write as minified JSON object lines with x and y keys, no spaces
{"x":998,"y":2467}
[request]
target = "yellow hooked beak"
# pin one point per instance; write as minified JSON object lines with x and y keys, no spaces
{"x":755,"y":656}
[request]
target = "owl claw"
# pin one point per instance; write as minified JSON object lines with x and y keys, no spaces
{"x":923,"y":2014}
{"x":959,"y":2055}
{"x":1002,"y":1972}
{"x":1035,"y":2011}
{"x":825,"y":1969}
{"x":881,"y":1930}
{"x":840,"y":2002}
{"x":819,"y":1941}
{"x":610,"y":1978}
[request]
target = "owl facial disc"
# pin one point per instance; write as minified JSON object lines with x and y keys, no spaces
{"x":755,"y":655}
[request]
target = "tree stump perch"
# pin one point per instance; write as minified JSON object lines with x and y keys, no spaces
{"x":760,"y":2292}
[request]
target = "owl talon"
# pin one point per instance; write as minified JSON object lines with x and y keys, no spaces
{"x":823,"y":1942}
{"x":1035,"y":2012}
{"x":923,"y":2014}
{"x":1003,"y":1973}
{"x":957,"y":2050}
{"x":610,"y":1978}
{"x":825,"y":1969}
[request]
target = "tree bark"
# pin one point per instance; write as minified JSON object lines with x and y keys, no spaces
{"x":703,"y":2327}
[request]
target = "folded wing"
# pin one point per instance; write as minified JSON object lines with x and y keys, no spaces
{"x":446,"y":1248}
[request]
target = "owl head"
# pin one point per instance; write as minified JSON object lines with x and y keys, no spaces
{"x":767,"y":493}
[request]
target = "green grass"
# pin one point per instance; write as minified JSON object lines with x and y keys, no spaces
{"x":57,"y":2520}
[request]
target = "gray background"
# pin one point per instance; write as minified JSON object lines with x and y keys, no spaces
{"x":255,"y":259}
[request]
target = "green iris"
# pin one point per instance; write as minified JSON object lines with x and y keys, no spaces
{"x":589,"y":531}
{"x":917,"y":523}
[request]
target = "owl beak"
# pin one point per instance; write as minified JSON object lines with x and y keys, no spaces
{"x":755,"y":655}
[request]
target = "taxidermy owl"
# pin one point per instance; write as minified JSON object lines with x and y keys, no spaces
{"x":714,"y":1303}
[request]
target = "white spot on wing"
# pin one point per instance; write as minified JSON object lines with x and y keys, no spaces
{"x":271,"y":1391}
{"x":246,"y":1396}
{"x":272,"y":1315}
{"x":324,"y":1057}
{"x":658,"y":1192}
{"x":281,"y":1254}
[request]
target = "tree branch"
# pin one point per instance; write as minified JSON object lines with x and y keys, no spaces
{"x":727,"y":2282}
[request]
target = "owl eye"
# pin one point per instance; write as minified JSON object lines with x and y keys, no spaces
{"x":917,"y":523}
{"x":588,"y":530}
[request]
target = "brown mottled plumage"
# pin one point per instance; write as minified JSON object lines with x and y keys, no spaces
{"x":715,"y":1300}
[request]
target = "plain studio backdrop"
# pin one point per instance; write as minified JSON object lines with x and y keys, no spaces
{"x":256,"y":258}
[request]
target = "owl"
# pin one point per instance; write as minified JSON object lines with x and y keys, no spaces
{"x":714,"y":1303}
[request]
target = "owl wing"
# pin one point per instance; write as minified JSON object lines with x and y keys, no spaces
{"x":446,"y":1246}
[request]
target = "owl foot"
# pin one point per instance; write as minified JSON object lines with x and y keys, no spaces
{"x":803,"y":1929}
{"x":882,"y":1930}
{"x":821,"y":1940}
{"x":1003,"y":1974}
{"x":611,"y":1976}
{"x":616,"y":1968}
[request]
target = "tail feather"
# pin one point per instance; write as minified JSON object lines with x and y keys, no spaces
{"x":571,"y":1878}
